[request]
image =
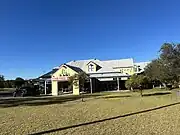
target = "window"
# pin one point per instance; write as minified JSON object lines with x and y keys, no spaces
{"x":91,"y":68}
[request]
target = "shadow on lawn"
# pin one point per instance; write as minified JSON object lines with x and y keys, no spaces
{"x":35,"y":101}
{"x":156,"y":94}
{"x":99,"y":121}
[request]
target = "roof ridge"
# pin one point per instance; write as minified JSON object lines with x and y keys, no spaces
{"x":118,"y":59}
{"x":80,"y":60}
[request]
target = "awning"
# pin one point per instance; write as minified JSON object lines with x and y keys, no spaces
{"x":108,"y":75}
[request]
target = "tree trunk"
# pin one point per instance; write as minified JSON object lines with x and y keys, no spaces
{"x":141,"y":92}
{"x":164,"y":84}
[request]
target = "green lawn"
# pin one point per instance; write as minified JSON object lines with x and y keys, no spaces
{"x":33,"y":115}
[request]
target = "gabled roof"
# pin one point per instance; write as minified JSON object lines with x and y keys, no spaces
{"x":82,"y":63}
{"x":74,"y":68}
{"x":104,"y":64}
{"x":92,"y":62}
{"x":106,"y":70}
{"x":141,"y":66}
{"x":48,"y":74}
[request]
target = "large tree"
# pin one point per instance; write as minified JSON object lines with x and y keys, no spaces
{"x":166,"y":68}
{"x":19,"y":82}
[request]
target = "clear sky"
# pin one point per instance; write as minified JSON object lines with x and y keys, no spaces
{"x":36,"y":35}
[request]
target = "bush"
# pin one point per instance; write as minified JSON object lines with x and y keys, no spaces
{"x":137,"y":81}
{"x":131,"y":83}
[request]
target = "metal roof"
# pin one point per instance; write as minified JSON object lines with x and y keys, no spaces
{"x":77,"y":69}
{"x":106,"y":70}
{"x":119,"y":63}
{"x":48,"y":75}
{"x":106,"y":66}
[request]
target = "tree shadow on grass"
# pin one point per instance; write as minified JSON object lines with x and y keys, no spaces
{"x":103,"y":120}
{"x":36,"y":101}
{"x":156,"y":94}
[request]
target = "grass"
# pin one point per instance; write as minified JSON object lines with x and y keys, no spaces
{"x":7,"y":89}
{"x":32,"y":115}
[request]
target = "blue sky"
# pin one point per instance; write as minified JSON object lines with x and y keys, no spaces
{"x":36,"y":35}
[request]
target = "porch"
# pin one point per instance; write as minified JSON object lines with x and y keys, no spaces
{"x":107,"y":81}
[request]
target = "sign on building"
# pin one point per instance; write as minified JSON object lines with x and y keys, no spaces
{"x":60,"y":78}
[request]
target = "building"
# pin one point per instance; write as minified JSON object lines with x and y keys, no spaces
{"x":104,"y":75}
{"x":139,"y":67}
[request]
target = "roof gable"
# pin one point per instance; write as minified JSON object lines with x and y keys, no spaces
{"x":103,"y":64}
{"x":91,"y":62}
{"x":48,"y":74}
{"x":76,"y":69}
{"x":106,"y":70}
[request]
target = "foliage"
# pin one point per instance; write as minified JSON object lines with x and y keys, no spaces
{"x":1,"y":78}
{"x":6,"y":83}
{"x":82,"y":77}
{"x":1,"y":81}
{"x":166,"y":68}
{"x":131,"y":83}
{"x":136,"y":81}
{"x":19,"y":82}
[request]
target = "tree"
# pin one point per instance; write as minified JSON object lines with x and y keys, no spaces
{"x":1,"y":81}
{"x":166,"y":68}
{"x":82,"y":77}
{"x":152,"y":70}
{"x":137,"y":81}
{"x":1,"y":78}
{"x":170,"y":62}
{"x":19,"y":82}
{"x":142,"y":82}
{"x":131,"y":83}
